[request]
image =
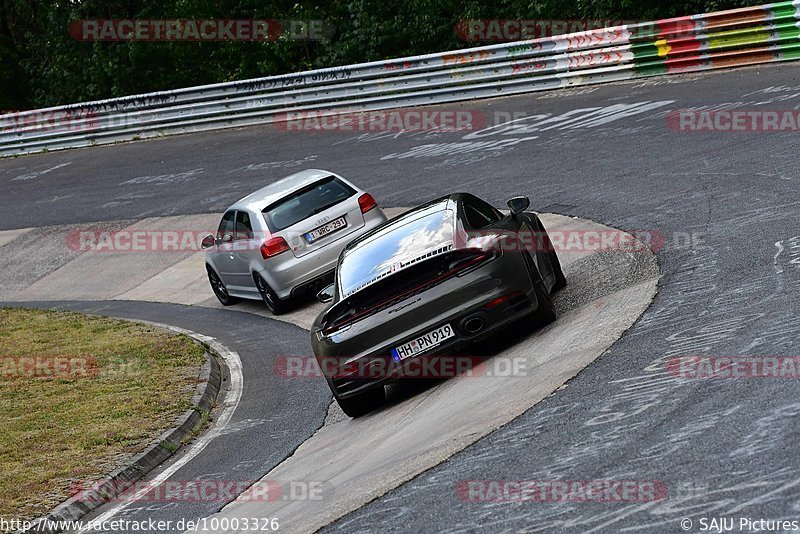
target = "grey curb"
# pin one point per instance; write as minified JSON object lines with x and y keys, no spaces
{"x":159,"y":450}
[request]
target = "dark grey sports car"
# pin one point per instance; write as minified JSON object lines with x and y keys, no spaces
{"x":426,"y":284}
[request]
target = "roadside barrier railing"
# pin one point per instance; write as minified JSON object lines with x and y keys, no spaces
{"x":746,"y":36}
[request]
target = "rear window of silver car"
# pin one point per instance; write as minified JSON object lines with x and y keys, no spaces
{"x":306,"y":202}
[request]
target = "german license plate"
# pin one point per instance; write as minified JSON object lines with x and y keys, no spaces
{"x":423,"y":343}
{"x":326,"y":229}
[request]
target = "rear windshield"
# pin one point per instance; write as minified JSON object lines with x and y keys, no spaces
{"x":398,"y":286}
{"x":395,"y":248}
{"x":306,"y":202}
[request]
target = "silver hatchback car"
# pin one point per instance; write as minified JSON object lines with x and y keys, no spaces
{"x":284,"y":240}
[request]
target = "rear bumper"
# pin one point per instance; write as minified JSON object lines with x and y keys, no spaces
{"x":313,"y":286}
{"x":377,"y":370}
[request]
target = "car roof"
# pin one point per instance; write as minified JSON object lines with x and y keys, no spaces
{"x":269,"y":194}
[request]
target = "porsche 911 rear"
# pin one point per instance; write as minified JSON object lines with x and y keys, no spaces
{"x":411,"y":289}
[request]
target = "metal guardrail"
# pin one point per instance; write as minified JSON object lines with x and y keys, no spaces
{"x":746,"y":36}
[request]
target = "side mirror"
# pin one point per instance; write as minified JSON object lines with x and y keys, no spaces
{"x":326,"y":295}
{"x":208,"y":242}
{"x":518,"y":204}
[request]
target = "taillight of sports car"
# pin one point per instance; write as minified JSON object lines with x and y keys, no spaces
{"x":464,"y":261}
{"x":504,"y":298}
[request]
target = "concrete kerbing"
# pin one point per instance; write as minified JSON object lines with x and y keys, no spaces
{"x":157,"y":452}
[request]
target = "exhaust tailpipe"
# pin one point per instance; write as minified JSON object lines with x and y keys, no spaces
{"x":473,"y":325}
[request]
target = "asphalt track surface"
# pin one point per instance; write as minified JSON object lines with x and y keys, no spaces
{"x":723,"y":448}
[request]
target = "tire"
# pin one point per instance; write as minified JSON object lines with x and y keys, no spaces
{"x":561,"y":280}
{"x":362,"y":403}
{"x":271,"y":300}
{"x":219,"y":289}
{"x":555,"y":264}
{"x":544,"y":313}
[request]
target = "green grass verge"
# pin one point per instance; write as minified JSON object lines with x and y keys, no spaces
{"x":68,"y":424}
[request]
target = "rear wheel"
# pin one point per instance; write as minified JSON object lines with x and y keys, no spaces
{"x":362,"y":403}
{"x":218,"y":286}
{"x":274,"y":304}
{"x":544,"y":313}
{"x":555,"y":264}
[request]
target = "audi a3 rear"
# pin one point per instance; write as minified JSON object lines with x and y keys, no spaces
{"x":427,"y":284}
{"x":284,"y":240}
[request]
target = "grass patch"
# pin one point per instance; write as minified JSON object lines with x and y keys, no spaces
{"x":79,"y":397}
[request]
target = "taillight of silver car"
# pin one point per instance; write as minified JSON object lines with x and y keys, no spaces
{"x":273,"y":246}
{"x":366,"y":203}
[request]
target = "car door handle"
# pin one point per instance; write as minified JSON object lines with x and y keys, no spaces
{"x":230,"y":255}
